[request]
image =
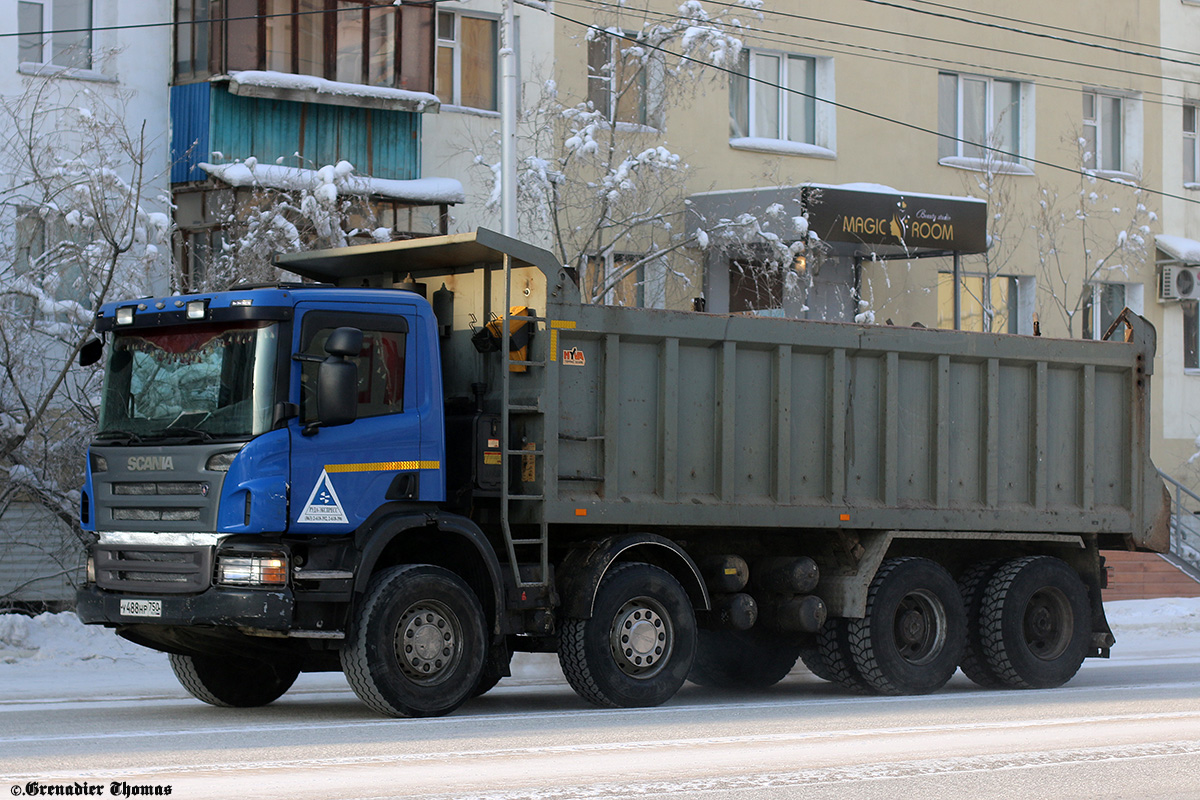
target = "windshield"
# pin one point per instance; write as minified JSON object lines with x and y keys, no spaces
{"x":210,"y":381}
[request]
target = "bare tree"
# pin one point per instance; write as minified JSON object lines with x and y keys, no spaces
{"x":75,"y":228}
{"x":1098,"y":233}
{"x":596,"y":175}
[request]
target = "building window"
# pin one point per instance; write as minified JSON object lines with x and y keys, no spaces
{"x":373,"y":42}
{"x":466,"y":60}
{"x":987,"y":304}
{"x":192,"y":30}
{"x":1191,"y":155}
{"x":1191,"y":334}
{"x":773,"y":96}
{"x":976,"y":113}
{"x":1102,"y":304}
{"x":618,"y":81}
{"x":55,"y":32}
{"x":1103,"y":124}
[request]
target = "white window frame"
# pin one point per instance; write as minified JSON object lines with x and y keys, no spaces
{"x":1022,"y":130}
{"x":1130,"y":127}
{"x":51,"y":23}
{"x":455,"y":45}
{"x":823,"y":135}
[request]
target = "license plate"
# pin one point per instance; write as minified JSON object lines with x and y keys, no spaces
{"x":141,"y":608}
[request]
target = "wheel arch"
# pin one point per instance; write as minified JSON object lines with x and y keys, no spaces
{"x":446,"y":540}
{"x":581,"y":571}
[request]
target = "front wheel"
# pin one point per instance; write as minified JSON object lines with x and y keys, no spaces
{"x":417,"y":645}
{"x":638,"y":646}
{"x":232,"y":682}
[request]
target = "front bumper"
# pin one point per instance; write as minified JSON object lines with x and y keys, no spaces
{"x":264,"y":609}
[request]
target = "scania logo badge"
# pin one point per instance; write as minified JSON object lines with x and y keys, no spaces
{"x":144,"y":463}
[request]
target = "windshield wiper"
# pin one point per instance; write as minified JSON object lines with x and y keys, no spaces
{"x":184,"y":433}
{"x":129,"y":436}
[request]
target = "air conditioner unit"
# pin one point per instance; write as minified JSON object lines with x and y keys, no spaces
{"x":1180,"y":283}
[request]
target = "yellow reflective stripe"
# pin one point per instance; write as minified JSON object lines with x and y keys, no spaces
{"x":562,"y":323}
{"x":384,"y":466}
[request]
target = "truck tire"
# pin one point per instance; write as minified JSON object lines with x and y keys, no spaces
{"x":973,"y":585}
{"x":417,"y":645}
{"x":752,"y":659}
{"x":814,"y":662}
{"x":232,"y":682}
{"x":912,"y":637}
{"x":638,"y":646}
{"x":834,"y":660}
{"x":1036,"y":623}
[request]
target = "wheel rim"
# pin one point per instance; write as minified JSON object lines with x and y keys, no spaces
{"x":920,"y":627}
{"x":641,"y":637}
{"x":1049,"y":623}
{"x":428,"y":641}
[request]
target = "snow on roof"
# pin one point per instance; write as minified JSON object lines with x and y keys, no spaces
{"x":246,"y":81}
{"x":1179,"y":248}
{"x":341,"y":177}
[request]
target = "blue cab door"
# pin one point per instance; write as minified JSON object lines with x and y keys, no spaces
{"x":340,"y":475}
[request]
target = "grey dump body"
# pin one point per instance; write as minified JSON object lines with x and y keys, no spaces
{"x":653,"y":418}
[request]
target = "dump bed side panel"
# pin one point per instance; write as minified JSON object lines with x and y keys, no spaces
{"x":690,"y":419}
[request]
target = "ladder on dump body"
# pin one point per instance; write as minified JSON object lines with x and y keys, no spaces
{"x":519,"y":546}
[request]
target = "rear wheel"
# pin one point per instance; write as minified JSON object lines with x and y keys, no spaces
{"x":973,"y":585}
{"x":417,"y":646}
{"x":232,"y":682}
{"x":639,"y":644}
{"x":834,"y":659}
{"x":1036,"y":623}
{"x":753,"y":659}
{"x":912,"y":636}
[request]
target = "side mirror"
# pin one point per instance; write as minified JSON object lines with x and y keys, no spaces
{"x":91,"y":352}
{"x":337,"y":378}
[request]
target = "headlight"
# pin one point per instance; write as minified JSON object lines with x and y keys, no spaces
{"x":125,"y":315}
{"x":99,"y":462}
{"x":91,"y":569}
{"x":220,"y":462}
{"x":252,"y":569}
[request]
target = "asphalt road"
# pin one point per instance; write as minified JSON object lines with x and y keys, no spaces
{"x":1124,"y":728}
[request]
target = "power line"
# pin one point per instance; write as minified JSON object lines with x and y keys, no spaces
{"x":1051,"y":37}
{"x":869,"y":52}
{"x":1015,"y":157}
{"x":1047,"y":26}
{"x":921,"y":38}
{"x":829,"y":45}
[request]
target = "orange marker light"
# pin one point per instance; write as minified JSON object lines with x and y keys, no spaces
{"x":581,"y":512}
{"x":844,"y":517}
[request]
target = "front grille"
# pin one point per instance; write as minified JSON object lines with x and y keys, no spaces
{"x":161,"y":488}
{"x":149,"y":568}
{"x":146,"y":514}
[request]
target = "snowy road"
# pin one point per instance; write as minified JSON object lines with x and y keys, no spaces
{"x":1127,"y":727}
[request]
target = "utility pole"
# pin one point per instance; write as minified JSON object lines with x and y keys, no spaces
{"x":508,"y":122}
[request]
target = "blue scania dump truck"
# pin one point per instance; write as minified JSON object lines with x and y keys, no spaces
{"x":431,"y":454}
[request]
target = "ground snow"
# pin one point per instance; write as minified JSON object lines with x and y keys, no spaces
{"x":56,"y":656}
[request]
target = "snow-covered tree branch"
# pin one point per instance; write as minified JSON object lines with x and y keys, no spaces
{"x":76,"y":228}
